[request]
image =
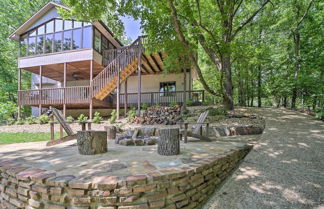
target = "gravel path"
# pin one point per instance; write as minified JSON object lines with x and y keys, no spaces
{"x":284,"y":170}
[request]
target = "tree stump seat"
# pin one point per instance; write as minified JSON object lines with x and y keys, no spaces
{"x":92,"y":142}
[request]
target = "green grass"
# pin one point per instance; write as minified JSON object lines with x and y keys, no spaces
{"x":11,"y":138}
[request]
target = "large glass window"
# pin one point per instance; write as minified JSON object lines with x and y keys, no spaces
{"x":58,"y":42}
{"x":50,"y":27}
{"x":105,"y":43}
{"x":60,"y":35}
{"x":23,"y":45}
{"x":31,"y":45}
{"x":67,"y":40}
{"x":77,"y":38}
{"x":40,"y":44}
{"x":48,"y":43}
{"x":87,"y":37}
{"x":58,"y":25}
{"x":167,"y":88}
{"x":97,"y":41}
{"x":67,"y":24}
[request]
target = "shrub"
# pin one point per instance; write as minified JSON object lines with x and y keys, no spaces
{"x":113,"y":117}
{"x":131,"y":114}
{"x":157,"y":104}
{"x":82,"y":118}
{"x":189,"y":102}
{"x":43,"y":119}
{"x":217,"y":111}
{"x":7,"y":110}
{"x":20,"y":122}
{"x":97,"y":118}
{"x":319,"y":113}
{"x":10,"y":121}
{"x":69,"y":119}
{"x":31,"y":120}
{"x":206,"y":103}
{"x":144,"y":106}
{"x":172,"y":104}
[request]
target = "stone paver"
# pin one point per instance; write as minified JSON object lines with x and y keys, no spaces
{"x":284,"y":170}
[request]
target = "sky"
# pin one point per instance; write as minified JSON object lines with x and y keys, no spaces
{"x":132,"y":27}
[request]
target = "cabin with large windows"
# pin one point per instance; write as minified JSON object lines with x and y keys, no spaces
{"x":79,"y":66}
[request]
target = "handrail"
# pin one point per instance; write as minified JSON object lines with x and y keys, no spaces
{"x":127,"y":55}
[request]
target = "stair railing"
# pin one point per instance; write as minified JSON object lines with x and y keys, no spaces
{"x":127,"y":55}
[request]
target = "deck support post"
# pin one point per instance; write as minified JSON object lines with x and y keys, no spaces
{"x":40,"y":86}
{"x":19,"y":88}
{"x":139,"y":80}
{"x":118,"y":94}
{"x":125,"y":98}
{"x":90,"y":93}
{"x":64,"y":99}
{"x":184,"y":105}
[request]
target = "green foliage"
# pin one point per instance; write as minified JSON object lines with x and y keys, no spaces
{"x":20,"y":121}
{"x":97,"y":118}
{"x":10,"y":121}
{"x":172,"y":104}
{"x":69,"y":119}
{"x":43,"y":119}
{"x":144,"y":106}
{"x":82,"y":118}
{"x":31,"y":120}
{"x":217,"y":111}
{"x":113,"y":117}
{"x":7,"y":110}
{"x":157,"y":104}
{"x":131,"y":114}
{"x":319,"y":113}
{"x":189,"y":102}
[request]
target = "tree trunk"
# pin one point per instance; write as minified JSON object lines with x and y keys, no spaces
{"x":92,"y":142}
{"x":297,"y":69}
{"x":111,"y":132}
{"x":228,"y":86}
{"x":169,"y":143}
{"x":259,"y":87}
{"x":285,"y":101}
{"x":240,"y":89}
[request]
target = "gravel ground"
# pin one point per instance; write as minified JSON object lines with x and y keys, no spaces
{"x":284,"y":170}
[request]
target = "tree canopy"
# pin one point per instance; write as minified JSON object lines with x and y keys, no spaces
{"x":245,"y":52}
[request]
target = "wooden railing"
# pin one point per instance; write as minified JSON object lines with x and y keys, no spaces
{"x":154,"y":98}
{"x":118,"y":60}
{"x":68,"y":95}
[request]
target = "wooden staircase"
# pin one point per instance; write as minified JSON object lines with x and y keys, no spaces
{"x":124,"y":65}
{"x":112,"y":85}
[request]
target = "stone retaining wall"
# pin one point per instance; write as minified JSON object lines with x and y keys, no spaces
{"x":190,"y":187}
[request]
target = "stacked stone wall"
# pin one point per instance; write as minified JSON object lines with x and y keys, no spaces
{"x":32,"y":188}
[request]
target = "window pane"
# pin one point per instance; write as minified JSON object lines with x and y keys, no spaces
{"x":111,"y":46}
{"x":58,"y":25}
{"x":166,"y":88}
{"x":41,"y":30}
{"x":32,"y":46}
{"x":40,"y":44}
{"x":48,"y":43}
{"x":32,"y":33}
{"x":23,"y":46}
{"x":105,"y":43}
{"x":67,"y":40}
{"x":58,"y":42}
{"x":87,"y":37}
{"x":97,"y":42}
{"x":50,"y":27}
{"x":86,"y":24}
{"x":76,"y":39}
{"x":77,"y":24}
{"x":67,"y":24}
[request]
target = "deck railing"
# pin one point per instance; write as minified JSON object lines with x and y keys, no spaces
{"x":48,"y":96}
{"x":162,"y":98}
{"x":118,"y":61}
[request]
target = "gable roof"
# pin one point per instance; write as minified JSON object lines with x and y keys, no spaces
{"x":34,"y":18}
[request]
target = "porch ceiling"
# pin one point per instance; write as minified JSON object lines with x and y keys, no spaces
{"x":152,"y":63}
{"x":75,"y":70}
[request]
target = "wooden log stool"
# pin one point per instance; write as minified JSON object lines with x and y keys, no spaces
{"x":169,"y":143}
{"x":111,"y":132}
{"x":92,"y":142}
